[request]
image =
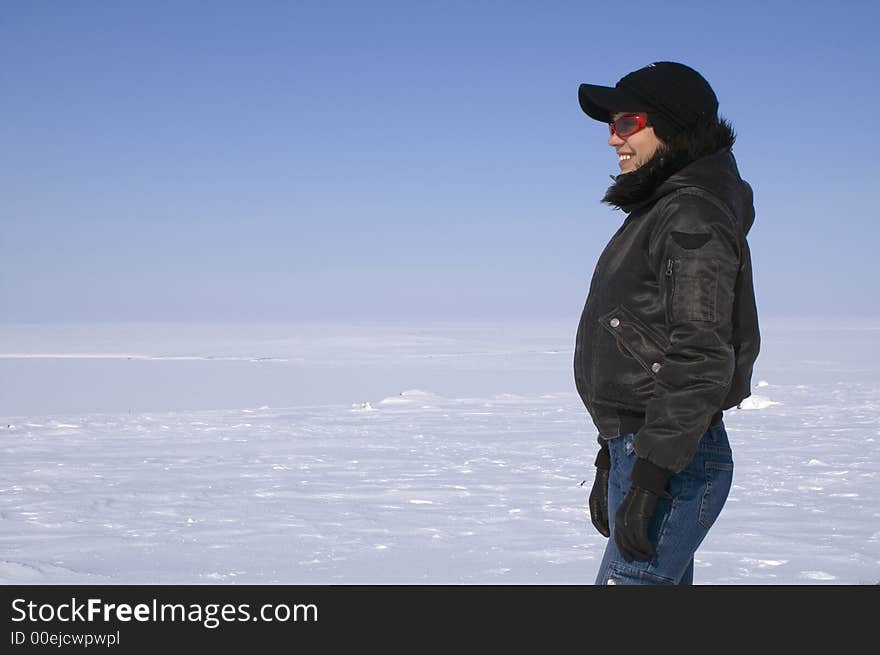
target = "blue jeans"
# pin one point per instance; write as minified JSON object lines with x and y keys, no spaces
{"x":682,"y":519}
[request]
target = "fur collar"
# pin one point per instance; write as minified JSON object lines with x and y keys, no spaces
{"x":632,"y":189}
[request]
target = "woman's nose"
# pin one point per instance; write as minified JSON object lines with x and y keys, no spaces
{"x":615,"y":141}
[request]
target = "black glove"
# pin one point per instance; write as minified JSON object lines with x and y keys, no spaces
{"x":631,"y":524}
{"x":599,"y":493}
{"x":599,"y":502}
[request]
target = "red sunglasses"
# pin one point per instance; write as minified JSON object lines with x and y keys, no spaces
{"x":628,"y":125}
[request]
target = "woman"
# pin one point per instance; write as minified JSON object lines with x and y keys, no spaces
{"x":669,"y":334}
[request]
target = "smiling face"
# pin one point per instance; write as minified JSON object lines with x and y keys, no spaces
{"x":636,"y":149}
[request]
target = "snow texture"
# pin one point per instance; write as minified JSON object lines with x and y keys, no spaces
{"x":397,"y":454}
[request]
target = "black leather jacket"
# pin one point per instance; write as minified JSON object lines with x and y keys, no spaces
{"x":669,"y":333}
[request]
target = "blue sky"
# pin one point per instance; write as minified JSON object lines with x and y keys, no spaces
{"x":426,"y":160}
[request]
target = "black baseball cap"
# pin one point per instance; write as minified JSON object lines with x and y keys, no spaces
{"x":675,"y":97}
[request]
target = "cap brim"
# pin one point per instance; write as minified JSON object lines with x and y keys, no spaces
{"x":599,"y":102}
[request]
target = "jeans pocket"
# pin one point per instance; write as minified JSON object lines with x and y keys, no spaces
{"x":719,"y":477}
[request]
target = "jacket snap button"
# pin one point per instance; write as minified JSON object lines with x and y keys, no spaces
{"x":655,"y":367}
{"x":614,"y":322}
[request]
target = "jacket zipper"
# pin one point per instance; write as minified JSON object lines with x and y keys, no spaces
{"x":670,"y":283}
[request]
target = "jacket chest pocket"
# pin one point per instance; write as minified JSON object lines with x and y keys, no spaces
{"x":691,"y":289}
{"x":634,"y":337}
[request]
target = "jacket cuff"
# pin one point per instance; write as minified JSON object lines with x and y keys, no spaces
{"x":648,"y":475}
{"x":603,"y":458}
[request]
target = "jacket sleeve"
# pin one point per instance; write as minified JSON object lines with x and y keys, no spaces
{"x":695,"y":251}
